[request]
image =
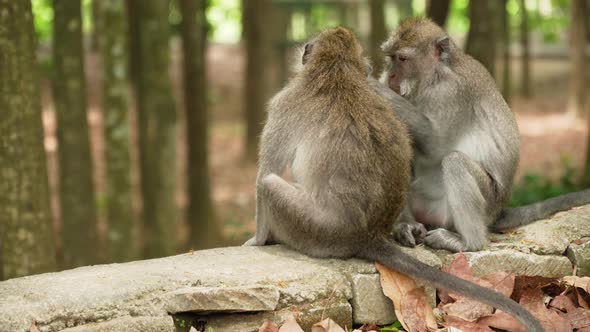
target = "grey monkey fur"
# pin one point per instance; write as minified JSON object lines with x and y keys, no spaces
{"x":466,"y":142}
{"x":350,"y":161}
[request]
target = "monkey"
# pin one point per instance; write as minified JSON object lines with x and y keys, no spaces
{"x":349,"y":159}
{"x":465,"y":139}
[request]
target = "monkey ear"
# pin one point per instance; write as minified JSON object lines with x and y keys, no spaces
{"x":443,"y":48}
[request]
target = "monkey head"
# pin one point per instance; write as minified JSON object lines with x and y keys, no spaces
{"x":335,"y":45}
{"x":417,"y":52}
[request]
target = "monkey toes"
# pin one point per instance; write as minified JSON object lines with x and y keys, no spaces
{"x":409,"y":234}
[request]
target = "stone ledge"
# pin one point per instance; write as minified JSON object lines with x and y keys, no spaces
{"x":235,"y":289}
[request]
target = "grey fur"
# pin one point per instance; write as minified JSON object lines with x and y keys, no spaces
{"x":350,"y":161}
{"x":466,"y":144}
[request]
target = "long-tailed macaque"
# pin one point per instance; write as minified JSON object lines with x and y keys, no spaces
{"x":465,"y":139}
{"x":350,"y":161}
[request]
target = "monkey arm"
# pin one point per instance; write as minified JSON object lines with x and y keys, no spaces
{"x":419,"y":125}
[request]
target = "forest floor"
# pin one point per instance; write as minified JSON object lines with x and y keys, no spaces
{"x":548,"y":135}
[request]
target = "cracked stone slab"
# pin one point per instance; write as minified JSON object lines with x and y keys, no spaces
{"x":128,"y":324}
{"x":550,"y":236}
{"x":486,"y":262}
{"x":229,"y":299}
{"x":579,"y":255}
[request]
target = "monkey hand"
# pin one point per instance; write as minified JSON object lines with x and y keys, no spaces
{"x":409,"y":233}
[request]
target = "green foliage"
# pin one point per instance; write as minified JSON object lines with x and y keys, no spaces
{"x":43,"y":13}
{"x":225,"y":20}
{"x":395,"y":327}
{"x":535,"y":187}
{"x":551,"y":18}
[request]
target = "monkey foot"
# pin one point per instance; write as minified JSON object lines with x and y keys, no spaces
{"x":441,"y":238}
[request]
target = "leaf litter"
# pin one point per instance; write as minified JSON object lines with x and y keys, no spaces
{"x":560,"y":304}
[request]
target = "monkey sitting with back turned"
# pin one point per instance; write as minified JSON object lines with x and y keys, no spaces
{"x":465,"y":139}
{"x":350,"y":160}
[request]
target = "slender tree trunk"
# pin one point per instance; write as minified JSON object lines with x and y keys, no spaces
{"x":482,"y":37}
{"x":257,"y":81}
{"x":280,"y":43}
{"x":525,"y":46}
{"x":579,"y":84}
{"x":77,"y":199}
{"x":26,"y":235}
{"x":405,"y":8}
{"x":156,"y":126}
{"x":438,"y":11}
{"x":505,"y":24}
{"x":204,"y":232}
{"x":111,"y":31}
{"x":378,"y":34}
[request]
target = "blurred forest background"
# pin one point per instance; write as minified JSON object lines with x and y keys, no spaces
{"x":129,"y":128}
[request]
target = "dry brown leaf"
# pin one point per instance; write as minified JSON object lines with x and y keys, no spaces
{"x":34,"y":327}
{"x":327,"y":325}
{"x":584,"y":329}
{"x":503,"y":321}
{"x":465,"y":326}
{"x":268,"y":326}
{"x":369,"y":327}
{"x":416,"y":311}
{"x":581,"y":282}
{"x":532,"y":299}
{"x":459,"y":268}
{"x":395,"y":286}
{"x":582,"y":298}
{"x":468,"y":309}
{"x":563,"y":303}
{"x":502,"y":282}
{"x":290,"y":325}
{"x":524,"y":283}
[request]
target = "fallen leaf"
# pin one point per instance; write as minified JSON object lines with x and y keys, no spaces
{"x":468,"y":309}
{"x":327,"y":325}
{"x":502,"y":282}
{"x":369,"y":327}
{"x":33,"y":327}
{"x":465,"y":326}
{"x":582,"y":298}
{"x":395,"y":285}
{"x":268,"y":326}
{"x":563,"y":303}
{"x":532,"y":299}
{"x":503,"y":321}
{"x":417,"y":312}
{"x":524,"y":283}
{"x":581,"y":282}
{"x":290,"y":325}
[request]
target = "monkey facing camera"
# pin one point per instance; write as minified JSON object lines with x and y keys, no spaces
{"x":350,"y":158}
{"x":465,"y":140}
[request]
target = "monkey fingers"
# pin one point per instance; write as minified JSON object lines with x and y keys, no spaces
{"x":441,"y":238}
{"x":409,"y":233}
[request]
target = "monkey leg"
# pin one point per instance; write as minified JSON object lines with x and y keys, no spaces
{"x":298,"y":221}
{"x":468,"y":188}
{"x":407,"y":231}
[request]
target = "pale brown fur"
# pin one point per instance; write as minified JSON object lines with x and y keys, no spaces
{"x":350,"y":160}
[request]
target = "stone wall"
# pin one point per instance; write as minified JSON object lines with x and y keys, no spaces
{"x":235,"y":289}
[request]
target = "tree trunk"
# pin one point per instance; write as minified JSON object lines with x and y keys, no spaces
{"x":505,"y":29}
{"x":257,"y":80}
{"x":77,"y":202}
{"x":378,"y":35}
{"x":438,"y":11}
{"x":204,"y":232}
{"x":156,"y":126}
{"x":525,"y":46}
{"x":111,"y":31}
{"x":26,"y":235}
{"x":405,"y":8}
{"x":578,"y":90}
{"x":481,"y":39}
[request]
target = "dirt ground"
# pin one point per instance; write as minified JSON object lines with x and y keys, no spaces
{"x":548,"y":134}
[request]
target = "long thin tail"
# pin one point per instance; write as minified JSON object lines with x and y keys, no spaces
{"x":523,"y":215}
{"x":391,"y":256}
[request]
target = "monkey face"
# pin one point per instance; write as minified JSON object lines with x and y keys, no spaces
{"x":414,"y":52}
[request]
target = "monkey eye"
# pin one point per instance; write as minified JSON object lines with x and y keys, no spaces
{"x":402,"y":58}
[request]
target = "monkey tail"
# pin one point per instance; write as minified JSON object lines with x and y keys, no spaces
{"x":523,"y":215}
{"x":391,"y":256}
